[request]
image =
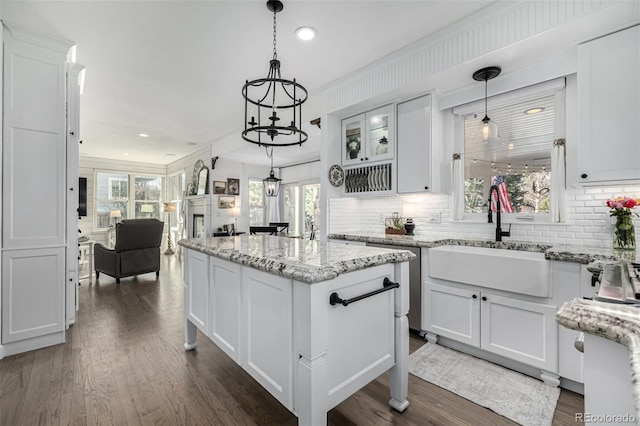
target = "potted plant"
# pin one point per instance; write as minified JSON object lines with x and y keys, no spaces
{"x":353,"y":147}
{"x":394,"y":225}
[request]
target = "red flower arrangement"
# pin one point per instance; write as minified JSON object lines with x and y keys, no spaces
{"x":622,"y":206}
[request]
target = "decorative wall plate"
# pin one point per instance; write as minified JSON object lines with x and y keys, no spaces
{"x":336,"y":175}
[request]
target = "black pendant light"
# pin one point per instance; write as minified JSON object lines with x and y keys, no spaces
{"x":487,"y":131}
{"x":272,"y":183}
{"x":274,"y":100}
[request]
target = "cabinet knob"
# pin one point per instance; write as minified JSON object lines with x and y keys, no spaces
{"x":475,"y":296}
{"x":70,"y":189}
{"x":366,"y":158}
{"x":80,"y":142}
{"x":484,"y":298}
{"x":362,"y":159}
{"x":72,"y":133}
{"x":426,"y":187}
{"x":583,"y":176}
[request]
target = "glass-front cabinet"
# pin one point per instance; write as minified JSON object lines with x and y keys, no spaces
{"x":368,"y":137}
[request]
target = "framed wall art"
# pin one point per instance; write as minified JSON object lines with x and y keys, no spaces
{"x":219,"y":187}
{"x":233,"y":186}
{"x":225,"y":202}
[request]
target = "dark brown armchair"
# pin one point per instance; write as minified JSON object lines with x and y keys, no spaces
{"x":136,"y":251}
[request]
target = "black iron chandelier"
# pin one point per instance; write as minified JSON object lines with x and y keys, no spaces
{"x":272,"y":183}
{"x":265,"y":98}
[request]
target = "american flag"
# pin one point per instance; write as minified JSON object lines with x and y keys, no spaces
{"x":505,"y":200}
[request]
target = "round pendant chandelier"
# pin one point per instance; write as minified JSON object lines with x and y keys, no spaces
{"x":273,"y":105}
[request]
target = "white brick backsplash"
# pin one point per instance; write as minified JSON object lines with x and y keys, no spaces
{"x":587,"y":224}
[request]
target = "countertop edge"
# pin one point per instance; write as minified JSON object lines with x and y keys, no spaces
{"x":618,"y":323}
{"x":289,"y":269}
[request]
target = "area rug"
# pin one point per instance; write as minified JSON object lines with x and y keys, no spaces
{"x":515,"y":396}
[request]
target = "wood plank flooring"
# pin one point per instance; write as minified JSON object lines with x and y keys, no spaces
{"x":124,"y":364}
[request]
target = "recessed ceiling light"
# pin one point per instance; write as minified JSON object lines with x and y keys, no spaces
{"x":191,"y":143}
{"x":534,"y":110}
{"x":171,"y":155}
{"x":125,"y":153}
{"x":143,"y":135}
{"x":305,"y":33}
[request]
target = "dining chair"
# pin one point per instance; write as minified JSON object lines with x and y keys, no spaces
{"x":281,"y":226}
{"x":271,"y":230}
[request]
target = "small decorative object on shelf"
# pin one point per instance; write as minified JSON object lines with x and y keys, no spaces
{"x":624,"y":236}
{"x":383,"y":146}
{"x":394,"y":224}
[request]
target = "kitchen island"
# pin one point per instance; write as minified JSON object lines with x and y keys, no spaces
{"x":312,"y":322}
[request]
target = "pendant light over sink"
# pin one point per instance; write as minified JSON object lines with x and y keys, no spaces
{"x":273,"y":105}
{"x":487,"y":131}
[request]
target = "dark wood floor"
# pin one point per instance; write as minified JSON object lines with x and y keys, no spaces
{"x":124,"y":364}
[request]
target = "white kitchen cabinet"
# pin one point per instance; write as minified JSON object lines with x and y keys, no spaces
{"x":414,"y":146}
{"x":518,"y":329}
{"x":225,"y":303}
{"x":196,"y":291}
{"x":608,"y":84}
{"x":73,"y":140}
{"x":35,"y":230}
{"x":451,"y":312}
{"x":268,"y":303}
{"x":369,"y":137}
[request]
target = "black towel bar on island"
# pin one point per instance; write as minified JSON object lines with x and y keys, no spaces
{"x":387,"y":284}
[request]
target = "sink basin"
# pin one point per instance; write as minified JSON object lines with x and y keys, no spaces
{"x":521,"y":272}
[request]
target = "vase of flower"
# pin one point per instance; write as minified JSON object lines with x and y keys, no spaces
{"x":624,"y":235}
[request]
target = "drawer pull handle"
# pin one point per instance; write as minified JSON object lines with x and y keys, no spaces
{"x":387,"y":284}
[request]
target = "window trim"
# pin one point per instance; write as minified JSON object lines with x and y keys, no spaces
{"x":547,"y":88}
{"x":130,"y":200}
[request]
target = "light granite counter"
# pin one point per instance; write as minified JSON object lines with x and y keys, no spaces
{"x":309,"y":261}
{"x":565,"y":253}
{"x":615,"y":322}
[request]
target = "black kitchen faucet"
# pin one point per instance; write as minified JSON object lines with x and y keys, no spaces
{"x":499,"y":232}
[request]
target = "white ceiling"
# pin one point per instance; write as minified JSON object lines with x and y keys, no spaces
{"x":175,"y":69}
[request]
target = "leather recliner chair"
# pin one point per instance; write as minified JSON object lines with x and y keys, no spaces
{"x":136,"y":251}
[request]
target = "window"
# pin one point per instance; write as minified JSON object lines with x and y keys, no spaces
{"x":120,"y":196}
{"x":520,"y":165}
{"x":256,"y":202}
{"x":148,"y":192}
{"x":302,"y":207}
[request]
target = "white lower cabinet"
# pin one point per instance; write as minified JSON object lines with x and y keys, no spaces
{"x":518,"y":329}
{"x":268,"y":301}
{"x":196,"y":270}
{"x":225,"y":302}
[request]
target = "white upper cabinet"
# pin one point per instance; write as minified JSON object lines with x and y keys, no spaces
{"x":609,"y":108}
{"x":414,"y":146}
{"x":369,"y":137}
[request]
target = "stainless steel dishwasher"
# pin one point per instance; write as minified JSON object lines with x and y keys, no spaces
{"x":415,"y":306}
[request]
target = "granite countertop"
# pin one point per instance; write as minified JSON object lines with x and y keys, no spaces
{"x":616,"y":322}
{"x":566,"y":253}
{"x":309,"y":261}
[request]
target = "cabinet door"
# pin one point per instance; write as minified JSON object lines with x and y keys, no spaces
{"x":451,"y":312}
{"x":33,"y":293}
{"x":269,"y":332}
{"x":520,"y":330}
{"x":414,"y":145}
{"x":197,"y":289}
{"x":225,"y":305}
{"x":34,"y":142}
{"x":353,"y":140}
{"x":380,"y":134}
{"x":609,"y":107}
